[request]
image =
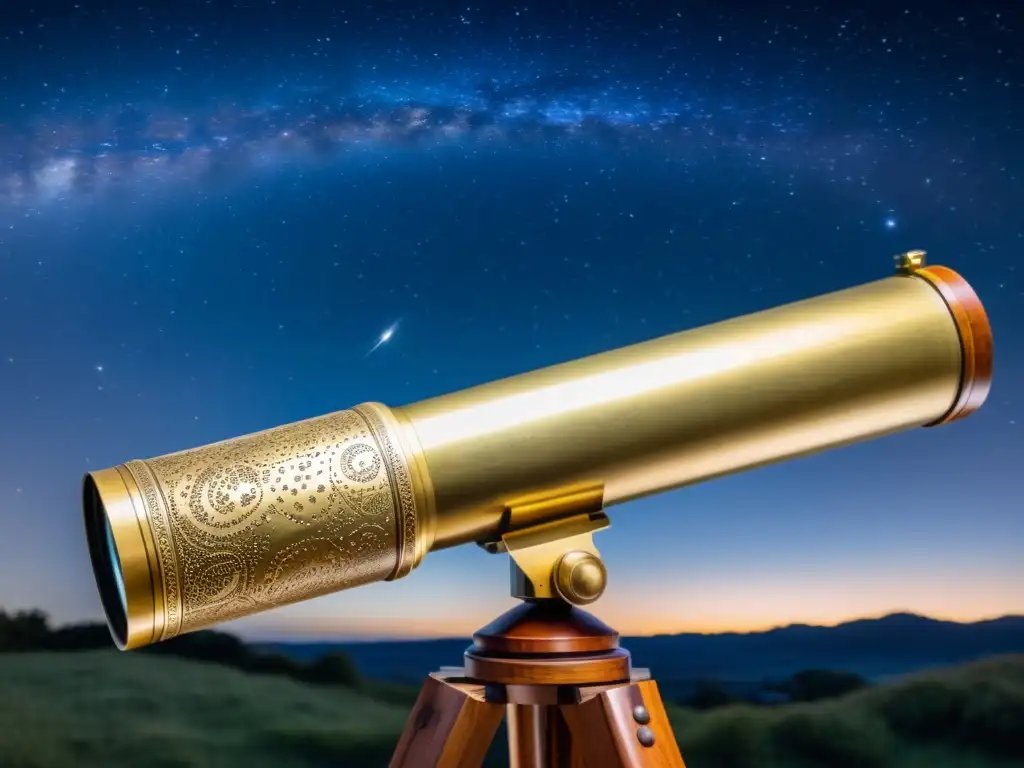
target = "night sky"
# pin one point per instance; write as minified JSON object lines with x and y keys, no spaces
{"x":210,"y":213}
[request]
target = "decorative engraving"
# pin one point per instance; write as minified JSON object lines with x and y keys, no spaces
{"x":360,"y":463}
{"x":316,"y":564}
{"x":277,"y":516}
{"x":401,"y":483}
{"x":167,"y":558}
{"x":224,"y":500}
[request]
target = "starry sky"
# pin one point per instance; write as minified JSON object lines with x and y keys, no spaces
{"x":210,"y":213}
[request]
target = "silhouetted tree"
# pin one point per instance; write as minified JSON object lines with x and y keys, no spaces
{"x":80,"y":637}
{"x":274,"y":664}
{"x":206,"y":645}
{"x":818,"y":684}
{"x":332,"y":669}
{"x":24,"y":631}
{"x":709,"y":694}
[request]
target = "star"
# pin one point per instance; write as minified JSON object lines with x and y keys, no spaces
{"x":385,"y":337}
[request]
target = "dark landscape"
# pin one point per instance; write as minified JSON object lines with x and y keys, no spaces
{"x":855,"y":695}
{"x":873,"y":649}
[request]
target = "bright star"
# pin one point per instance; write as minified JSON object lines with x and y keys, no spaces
{"x":890,"y":223}
{"x":384,"y":338}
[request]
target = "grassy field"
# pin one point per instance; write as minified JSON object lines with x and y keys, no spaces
{"x":118,"y":710}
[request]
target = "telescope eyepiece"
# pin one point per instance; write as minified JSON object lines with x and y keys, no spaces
{"x":106,"y":562}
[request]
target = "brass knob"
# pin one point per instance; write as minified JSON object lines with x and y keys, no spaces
{"x":908,"y":263}
{"x":580,"y":577}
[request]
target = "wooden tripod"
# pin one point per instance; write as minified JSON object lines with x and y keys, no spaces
{"x":566,"y":687}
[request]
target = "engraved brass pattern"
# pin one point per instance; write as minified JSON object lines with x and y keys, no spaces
{"x":398,"y":469}
{"x":278,"y":516}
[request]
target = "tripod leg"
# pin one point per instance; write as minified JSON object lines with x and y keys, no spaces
{"x":450,"y":726}
{"x":624,"y":727}
{"x":538,"y":737}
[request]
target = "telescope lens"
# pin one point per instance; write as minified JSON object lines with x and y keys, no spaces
{"x":116,"y":566}
{"x":106,"y":564}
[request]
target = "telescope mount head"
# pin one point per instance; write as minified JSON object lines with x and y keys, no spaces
{"x":548,"y":640}
{"x":549,"y":540}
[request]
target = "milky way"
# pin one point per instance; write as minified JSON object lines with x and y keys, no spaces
{"x":101,"y":150}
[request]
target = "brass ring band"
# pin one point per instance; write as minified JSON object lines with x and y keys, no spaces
{"x":975,"y":339}
{"x":409,"y":481}
{"x":117,"y":529}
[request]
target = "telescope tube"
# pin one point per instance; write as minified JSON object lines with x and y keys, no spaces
{"x":194,"y":538}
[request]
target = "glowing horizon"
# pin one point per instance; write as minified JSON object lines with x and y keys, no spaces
{"x":389,"y":630}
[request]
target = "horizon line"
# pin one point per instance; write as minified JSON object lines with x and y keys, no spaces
{"x":298,"y":638}
{"x":298,"y":635}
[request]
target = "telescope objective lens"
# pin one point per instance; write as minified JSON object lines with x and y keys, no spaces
{"x":106,"y":562}
{"x":115,"y":566}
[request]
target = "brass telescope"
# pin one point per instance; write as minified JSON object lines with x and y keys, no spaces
{"x":527,"y":465}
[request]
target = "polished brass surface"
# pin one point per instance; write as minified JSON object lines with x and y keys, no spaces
{"x":580,"y":577}
{"x":536,"y":552}
{"x":538,"y":530}
{"x":527,"y":464}
{"x":666,"y":413}
{"x":268,"y":519}
{"x":552,"y":505}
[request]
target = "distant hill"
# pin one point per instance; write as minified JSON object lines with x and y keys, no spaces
{"x":876,"y":649}
{"x":103,"y":709}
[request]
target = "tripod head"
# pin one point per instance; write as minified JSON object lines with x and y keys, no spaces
{"x":550,"y":543}
{"x":558,"y":676}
